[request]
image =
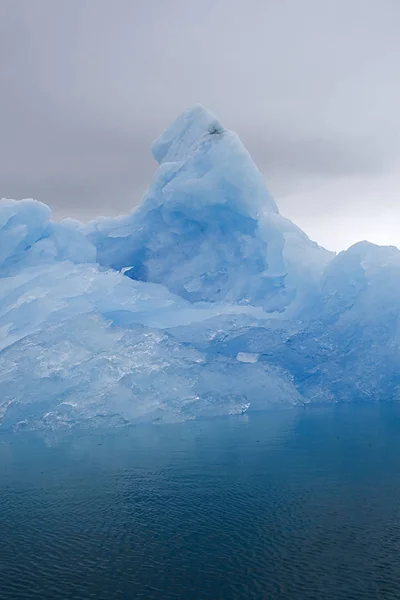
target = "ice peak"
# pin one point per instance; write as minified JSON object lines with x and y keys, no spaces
{"x":176,"y":142}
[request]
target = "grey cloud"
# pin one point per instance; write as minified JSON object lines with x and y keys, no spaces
{"x":322,"y":157}
{"x":312,"y":87}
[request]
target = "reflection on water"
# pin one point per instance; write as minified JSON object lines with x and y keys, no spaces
{"x":299,"y":504}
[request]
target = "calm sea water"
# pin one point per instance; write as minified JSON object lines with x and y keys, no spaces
{"x":300,"y":504}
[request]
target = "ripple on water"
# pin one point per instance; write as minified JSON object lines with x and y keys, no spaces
{"x":277,"y":506}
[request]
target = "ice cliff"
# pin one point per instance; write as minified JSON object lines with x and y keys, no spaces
{"x":204,"y":300}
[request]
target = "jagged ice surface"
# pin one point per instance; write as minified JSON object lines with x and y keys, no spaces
{"x":202,"y":301}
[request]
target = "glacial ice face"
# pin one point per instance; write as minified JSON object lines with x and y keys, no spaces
{"x":83,"y":346}
{"x":356,"y":325}
{"x":203,"y":301}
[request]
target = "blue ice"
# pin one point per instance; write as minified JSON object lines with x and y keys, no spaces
{"x":204,"y":300}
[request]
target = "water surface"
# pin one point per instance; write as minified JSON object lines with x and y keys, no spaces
{"x":300,"y":504}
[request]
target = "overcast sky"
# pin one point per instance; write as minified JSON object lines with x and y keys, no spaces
{"x":311,"y":86}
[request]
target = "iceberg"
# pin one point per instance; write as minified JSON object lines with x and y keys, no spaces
{"x":202,"y":301}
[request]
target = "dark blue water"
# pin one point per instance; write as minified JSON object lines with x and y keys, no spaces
{"x":303,"y":504}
